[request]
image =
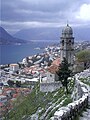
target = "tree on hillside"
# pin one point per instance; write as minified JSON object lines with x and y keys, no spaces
{"x":64,"y":72}
{"x":84,"y":56}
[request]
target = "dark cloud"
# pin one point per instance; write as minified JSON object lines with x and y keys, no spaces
{"x":45,"y":11}
{"x":15,"y":10}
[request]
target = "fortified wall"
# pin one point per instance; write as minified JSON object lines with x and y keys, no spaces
{"x":81,"y":101}
{"x":49,"y":87}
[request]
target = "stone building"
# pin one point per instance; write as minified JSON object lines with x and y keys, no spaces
{"x":67,"y":45}
{"x":50,"y":82}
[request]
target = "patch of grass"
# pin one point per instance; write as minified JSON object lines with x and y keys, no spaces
{"x":85,"y":80}
{"x":59,"y":94}
{"x":37,"y":99}
{"x":52,"y":113}
{"x":67,"y":100}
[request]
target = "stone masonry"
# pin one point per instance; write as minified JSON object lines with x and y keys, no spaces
{"x":86,"y":114}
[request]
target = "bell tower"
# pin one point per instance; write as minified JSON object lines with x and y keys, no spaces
{"x":67,"y":45}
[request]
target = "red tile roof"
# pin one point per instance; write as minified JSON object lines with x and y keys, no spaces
{"x":56,"y":62}
{"x":53,"y":69}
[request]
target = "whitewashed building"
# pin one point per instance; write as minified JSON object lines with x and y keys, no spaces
{"x":14,"y":67}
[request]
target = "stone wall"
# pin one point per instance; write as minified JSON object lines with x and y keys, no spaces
{"x":73,"y":109}
{"x":50,"y":87}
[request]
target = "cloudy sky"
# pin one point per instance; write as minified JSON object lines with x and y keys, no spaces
{"x":20,"y":14}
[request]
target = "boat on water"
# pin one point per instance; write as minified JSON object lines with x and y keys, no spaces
{"x":37,"y":48}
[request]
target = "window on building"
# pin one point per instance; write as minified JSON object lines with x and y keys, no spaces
{"x":63,"y":42}
{"x":50,"y":75}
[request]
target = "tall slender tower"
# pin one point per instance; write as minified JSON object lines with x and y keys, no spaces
{"x":67,"y":45}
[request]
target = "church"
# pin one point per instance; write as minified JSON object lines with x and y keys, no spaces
{"x":66,"y":51}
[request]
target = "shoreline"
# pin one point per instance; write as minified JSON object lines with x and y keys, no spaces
{"x":14,"y":53}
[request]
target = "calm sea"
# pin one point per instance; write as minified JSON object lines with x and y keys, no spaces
{"x":15,"y":53}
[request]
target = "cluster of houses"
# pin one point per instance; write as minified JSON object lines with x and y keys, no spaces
{"x":38,"y":71}
{"x":8,"y":96}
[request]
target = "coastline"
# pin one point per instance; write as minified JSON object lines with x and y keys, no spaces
{"x":15,"y":53}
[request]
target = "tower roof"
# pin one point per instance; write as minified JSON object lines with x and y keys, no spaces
{"x":67,"y":30}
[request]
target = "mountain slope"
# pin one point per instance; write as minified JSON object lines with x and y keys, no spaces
{"x":51,"y":33}
{"x":39,"y":34}
{"x":6,"y":38}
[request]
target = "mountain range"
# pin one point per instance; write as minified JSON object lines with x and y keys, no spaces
{"x":54,"y":33}
{"x":6,"y":38}
{"x":41,"y":34}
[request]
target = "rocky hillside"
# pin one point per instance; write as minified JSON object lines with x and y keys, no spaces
{"x":40,"y":105}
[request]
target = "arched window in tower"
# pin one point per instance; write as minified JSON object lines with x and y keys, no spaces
{"x":69,"y":41}
{"x":62,"y":42}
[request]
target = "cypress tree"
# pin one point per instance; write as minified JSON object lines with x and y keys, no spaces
{"x":64,"y":72}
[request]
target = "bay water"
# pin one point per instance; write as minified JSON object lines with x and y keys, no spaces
{"x":15,"y":53}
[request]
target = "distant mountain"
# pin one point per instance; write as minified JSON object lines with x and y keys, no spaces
{"x":6,"y":38}
{"x":39,"y":34}
{"x":52,"y":34}
{"x":46,"y":34}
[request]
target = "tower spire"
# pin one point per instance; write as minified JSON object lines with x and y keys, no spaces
{"x":67,"y":23}
{"x":67,"y":44}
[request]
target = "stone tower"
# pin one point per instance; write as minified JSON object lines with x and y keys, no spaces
{"x":67,"y":45}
